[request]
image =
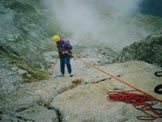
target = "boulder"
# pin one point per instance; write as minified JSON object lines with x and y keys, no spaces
{"x":148,"y":50}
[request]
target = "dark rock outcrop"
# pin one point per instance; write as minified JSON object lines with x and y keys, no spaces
{"x":148,"y":50}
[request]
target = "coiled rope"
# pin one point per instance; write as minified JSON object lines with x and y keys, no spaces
{"x":117,"y":78}
{"x":142,"y":102}
{"x":139,"y":101}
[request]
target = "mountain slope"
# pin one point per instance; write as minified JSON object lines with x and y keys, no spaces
{"x":23,"y":39}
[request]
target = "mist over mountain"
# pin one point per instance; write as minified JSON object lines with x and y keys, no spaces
{"x":116,"y":23}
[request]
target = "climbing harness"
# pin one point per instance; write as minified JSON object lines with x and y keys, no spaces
{"x":141,"y":102}
{"x":117,"y":78}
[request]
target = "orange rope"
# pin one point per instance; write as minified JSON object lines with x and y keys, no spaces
{"x":53,"y":66}
{"x":117,"y":78}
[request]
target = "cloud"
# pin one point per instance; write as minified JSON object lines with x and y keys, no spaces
{"x":109,"y":22}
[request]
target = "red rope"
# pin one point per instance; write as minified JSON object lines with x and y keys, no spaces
{"x":139,"y":101}
{"x":117,"y":78}
{"x":132,"y":98}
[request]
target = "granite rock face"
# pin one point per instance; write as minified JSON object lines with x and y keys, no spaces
{"x":89,"y":102}
{"x":23,"y":39}
{"x":148,"y":50}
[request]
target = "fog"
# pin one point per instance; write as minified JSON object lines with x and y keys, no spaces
{"x":109,"y":22}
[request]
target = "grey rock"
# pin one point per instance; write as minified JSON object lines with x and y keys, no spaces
{"x":14,"y":68}
{"x":21,"y":71}
{"x":148,"y":50}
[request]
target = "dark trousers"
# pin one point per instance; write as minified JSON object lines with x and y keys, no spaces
{"x":65,"y":60}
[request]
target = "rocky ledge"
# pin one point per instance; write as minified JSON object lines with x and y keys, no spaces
{"x":82,"y":98}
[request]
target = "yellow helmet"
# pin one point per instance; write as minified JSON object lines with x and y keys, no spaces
{"x":56,"y":38}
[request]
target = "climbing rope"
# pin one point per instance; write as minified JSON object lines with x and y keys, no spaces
{"x":117,"y":78}
{"x":139,"y":101}
{"x":53,"y":66}
{"x":143,"y":102}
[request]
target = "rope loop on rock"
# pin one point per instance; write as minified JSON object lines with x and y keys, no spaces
{"x":141,"y":102}
{"x":158,"y":73}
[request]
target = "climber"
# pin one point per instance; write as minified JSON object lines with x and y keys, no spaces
{"x":64,"y":50}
